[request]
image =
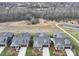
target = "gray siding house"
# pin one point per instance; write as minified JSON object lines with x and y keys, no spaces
{"x":41,"y":40}
{"x":15,"y":45}
{"x":20,"y":41}
{"x":38,"y":44}
{"x":6,"y":38}
{"x":61,"y":42}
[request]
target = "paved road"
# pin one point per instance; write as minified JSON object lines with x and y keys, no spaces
{"x":69,"y":52}
{"x":67,"y":33}
{"x":46,"y":51}
{"x":1,"y":49}
{"x":22,"y":51}
{"x":72,"y":26}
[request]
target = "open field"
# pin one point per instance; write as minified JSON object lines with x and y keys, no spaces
{"x":21,"y":26}
{"x":73,"y":32}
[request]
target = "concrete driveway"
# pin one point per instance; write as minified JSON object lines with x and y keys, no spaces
{"x":46,"y":51}
{"x":1,"y":49}
{"x":22,"y":51}
{"x":69,"y":52}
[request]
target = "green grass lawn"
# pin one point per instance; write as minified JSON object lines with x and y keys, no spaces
{"x":7,"y":52}
{"x":75,"y":34}
{"x":30,"y":47}
{"x":51,"y":52}
{"x":75,"y":51}
{"x":29,"y":51}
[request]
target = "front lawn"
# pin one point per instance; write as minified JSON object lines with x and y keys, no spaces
{"x":51,"y":52}
{"x":75,"y":51}
{"x":29,"y":51}
{"x":8,"y":52}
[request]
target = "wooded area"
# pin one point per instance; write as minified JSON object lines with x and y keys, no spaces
{"x":14,"y":11}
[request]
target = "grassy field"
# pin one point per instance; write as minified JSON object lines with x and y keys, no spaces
{"x":75,"y":51}
{"x":72,"y":32}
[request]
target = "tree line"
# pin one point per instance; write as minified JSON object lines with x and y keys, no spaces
{"x":47,"y":10}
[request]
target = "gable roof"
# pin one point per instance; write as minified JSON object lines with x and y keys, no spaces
{"x":22,"y":39}
{"x":2,"y":40}
{"x":62,"y":41}
{"x":6,"y":34}
{"x":59,"y":41}
{"x":37,"y":42}
{"x":16,"y":41}
{"x":41,"y":35}
{"x":26,"y":34}
{"x":41,"y":39}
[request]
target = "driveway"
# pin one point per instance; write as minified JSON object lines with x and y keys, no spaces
{"x":69,"y":52}
{"x":22,"y":51}
{"x":1,"y":49}
{"x":46,"y":51}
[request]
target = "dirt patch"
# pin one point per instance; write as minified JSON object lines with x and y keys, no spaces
{"x":56,"y":52}
{"x":22,"y":26}
{"x":36,"y":52}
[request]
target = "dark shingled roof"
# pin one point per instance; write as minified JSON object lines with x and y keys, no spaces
{"x":5,"y":37}
{"x":60,"y":39}
{"x":37,"y":42}
{"x":23,"y":39}
{"x":16,"y":41}
{"x":41,"y":39}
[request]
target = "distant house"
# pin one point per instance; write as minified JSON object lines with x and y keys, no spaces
{"x":6,"y":38}
{"x":41,"y":40}
{"x":20,"y":41}
{"x":62,"y":43}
